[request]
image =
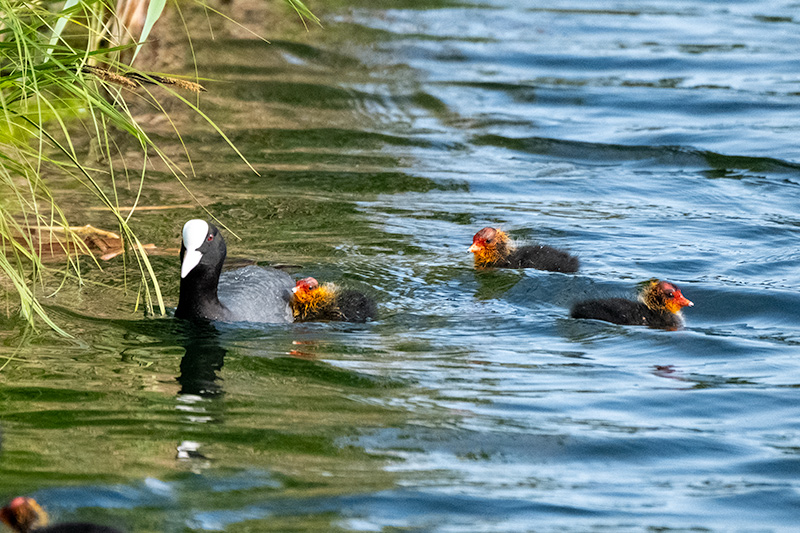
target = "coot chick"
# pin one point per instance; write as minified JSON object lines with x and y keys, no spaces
{"x":492,"y":248}
{"x":250,"y":294}
{"x":313,"y":301}
{"x":24,"y":515}
{"x":659,"y":307}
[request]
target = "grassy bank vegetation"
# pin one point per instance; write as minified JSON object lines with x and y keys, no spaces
{"x":65,"y":75}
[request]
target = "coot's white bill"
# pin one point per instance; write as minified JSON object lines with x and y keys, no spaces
{"x":194,"y":235}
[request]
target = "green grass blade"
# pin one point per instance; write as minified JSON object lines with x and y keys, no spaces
{"x":59,"y":28}
{"x":154,"y":11}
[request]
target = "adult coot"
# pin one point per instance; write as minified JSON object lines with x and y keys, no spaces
{"x":659,"y":307}
{"x":313,"y":301}
{"x":250,"y":294}
{"x":492,"y":248}
{"x":24,"y":515}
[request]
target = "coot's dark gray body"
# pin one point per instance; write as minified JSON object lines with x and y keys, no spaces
{"x":256,"y":294}
{"x":250,"y":294}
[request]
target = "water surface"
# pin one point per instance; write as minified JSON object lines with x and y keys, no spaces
{"x":653,"y":139}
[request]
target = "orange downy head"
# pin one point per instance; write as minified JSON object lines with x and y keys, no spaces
{"x":664,"y":295}
{"x":23,"y":514}
{"x":489,"y":246}
{"x":309,"y":297}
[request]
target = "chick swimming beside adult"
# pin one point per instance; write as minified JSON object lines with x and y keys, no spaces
{"x":312,"y":301}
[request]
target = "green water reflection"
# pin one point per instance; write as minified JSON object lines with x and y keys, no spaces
{"x":222,"y":420}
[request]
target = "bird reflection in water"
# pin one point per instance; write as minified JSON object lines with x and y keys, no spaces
{"x":202,"y":361}
{"x":199,"y":380}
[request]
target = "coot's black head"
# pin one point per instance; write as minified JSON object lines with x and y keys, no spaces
{"x":203,"y":249}
{"x":203,"y":252}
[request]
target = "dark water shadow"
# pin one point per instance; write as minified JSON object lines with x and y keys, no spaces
{"x":603,"y":154}
{"x":495,"y":282}
{"x":203,"y":359}
{"x":206,"y":345}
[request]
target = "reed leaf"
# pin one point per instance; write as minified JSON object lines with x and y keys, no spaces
{"x":154,"y":10}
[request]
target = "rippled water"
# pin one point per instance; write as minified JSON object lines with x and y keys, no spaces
{"x":652,"y":139}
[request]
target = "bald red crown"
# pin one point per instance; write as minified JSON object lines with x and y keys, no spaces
{"x":306,"y":284}
{"x":485,"y":236}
